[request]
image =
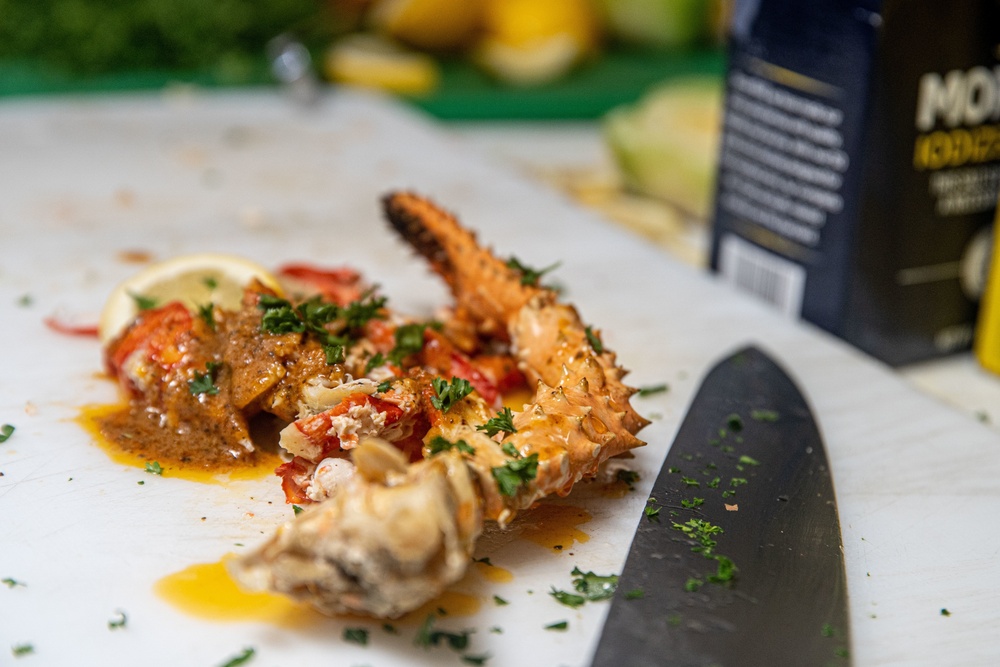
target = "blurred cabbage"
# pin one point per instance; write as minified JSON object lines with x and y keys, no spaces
{"x":666,"y":144}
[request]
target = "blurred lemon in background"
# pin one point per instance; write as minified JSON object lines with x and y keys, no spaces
{"x":434,"y":25}
{"x":369,"y":61}
{"x":529,"y":42}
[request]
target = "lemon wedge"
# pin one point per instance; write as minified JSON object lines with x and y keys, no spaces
{"x":368,"y":61}
{"x":194,"y":280}
{"x":435,"y":25}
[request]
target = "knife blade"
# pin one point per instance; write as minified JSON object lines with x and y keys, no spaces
{"x":737,"y":559}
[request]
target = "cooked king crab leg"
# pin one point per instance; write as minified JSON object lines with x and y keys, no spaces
{"x":398,"y":533}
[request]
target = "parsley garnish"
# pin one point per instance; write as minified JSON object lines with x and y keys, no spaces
{"x":594,"y":341}
{"x":204,"y":383}
{"x":569,"y":599}
{"x":594,"y":587}
{"x":529,"y":276}
{"x":118,"y":622}
{"x":427,"y":636}
{"x":296,"y":510}
{"x":589,"y":587}
{"x":476,"y":659}
{"x":734,"y":422}
{"x":356,"y":635}
{"x":558,"y":625}
{"x":514,"y":473}
{"x":313,"y":315}
{"x":374,"y":362}
{"x":748,"y":460}
{"x":510,"y":450}
{"x":22,"y":649}
{"x":207,"y":313}
{"x":6,"y":431}
{"x":143,"y":302}
{"x":651,"y":511}
{"x":634,"y":594}
{"x":764,"y":415}
{"x":409,"y":340}
{"x":652,"y":389}
{"x":691,"y":504}
{"x":504,"y":421}
{"x":11,"y":583}
{"x":210,"y":282}
{"x":154,"y":467}
{"x":240,"y":659}
{"x":499,"y":601}
{"x":439,"y":444}
{"x":384,"y":386}
{"x":629,"y":477}
{"x":447,"y":394}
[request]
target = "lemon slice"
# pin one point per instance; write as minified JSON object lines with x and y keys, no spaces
{"x":194,"y":280}
{"x":365,"y":60}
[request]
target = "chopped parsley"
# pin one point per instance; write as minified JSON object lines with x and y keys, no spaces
{"x":566,"y":598}
{"x":409,"y":340}
{"x":6,"y":431}
{"x":356,"y":636}
{"x":204,"y":383}
{"x":701,"y":531}
{"x":635,"y":594}
{"x":11,"y":583}
{"x":650,"y":390}
{"x":22,"y":649}
{"x":693,"y":584}
{"x":499,"y":601}
{"x":447,"y":393}
{"x":207,"y":314}
{"x":594,"y":341}
{"x":297,"y":510}
{"x":240,"y":659}
{"x":210,"y":282}
{"x":374,"y":362}
{"x":427,"y":636}
{"x":734,"y":422}
{"x":118,"y":621}
{"x":143,"y":302}
{"x":945,"y":612}
{"x":589,"y":587}
{"x":439,"y":444}
{"x":764,"y":415}
{"x":651,"y":510}
{"x":514,"y":473}
{"x":691,"y":504}
{"x":690,"y":481}
{"x":476,"y":659}
{"x":510,"y":450}
{"x":313,"y":317}
{"x":629,"y":477}
{"x":558,"y":625}
{"x":384,"y":386}
{"x":595,"y":587}
{"x":504,"y":421}
{"x":749,"y":461}
{"x":154,"y":468}
{"x":529,"y":276}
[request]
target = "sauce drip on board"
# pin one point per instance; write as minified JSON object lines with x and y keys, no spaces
{"x":205,"y":590}
{"x":109,"y":426}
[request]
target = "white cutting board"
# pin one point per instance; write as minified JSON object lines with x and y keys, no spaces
{"x":85,"y":180}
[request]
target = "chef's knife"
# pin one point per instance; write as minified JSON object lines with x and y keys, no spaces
{"x":737,"y":560}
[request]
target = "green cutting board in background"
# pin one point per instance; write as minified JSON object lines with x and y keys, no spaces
{"x":465,"y":93}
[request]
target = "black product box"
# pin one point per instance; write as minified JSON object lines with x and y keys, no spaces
{"x":860,"y":165}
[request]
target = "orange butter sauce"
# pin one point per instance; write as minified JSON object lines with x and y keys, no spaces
{"x":205,"y":590}
{"x":90,"y":419}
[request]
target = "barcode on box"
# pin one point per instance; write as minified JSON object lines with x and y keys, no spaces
{"x":766,"y":275}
